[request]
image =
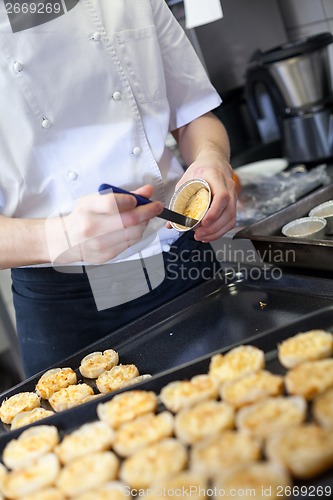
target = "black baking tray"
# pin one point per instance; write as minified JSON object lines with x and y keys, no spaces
{"x":210,"y":317}
{"x":70,"y":420}
{"x":280,"y":250}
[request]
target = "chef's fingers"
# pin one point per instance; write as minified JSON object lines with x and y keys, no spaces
{"x":218,"y":228}
{"x":221,"y":216}
{"x":101,"y":249}
{"x":106,"y":214}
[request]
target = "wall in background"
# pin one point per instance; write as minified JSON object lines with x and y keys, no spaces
{"x":307,"y":17}
{"x":228,"y":44}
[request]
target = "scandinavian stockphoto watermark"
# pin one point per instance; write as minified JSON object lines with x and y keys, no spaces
{"x":225,"y":263}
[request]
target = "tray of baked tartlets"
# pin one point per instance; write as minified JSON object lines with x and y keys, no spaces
{"x":256,"y":417}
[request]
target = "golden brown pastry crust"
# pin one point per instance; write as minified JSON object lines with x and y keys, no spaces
{"x":241,"y":360}
{"x":230,"y":448}
{"x":31,"y":444}
{"x":306,"y":450}
{"x":70,"y":396}
{"x":198,"y":204}
{"x":185,"y":393}
{"x":114,"y":490}
{"x":310,"y":378}
{"x":39,"y":474}
{"x":28,"y":417}
{"x":143,"y":431}
{"x":251,"y":388}
{"x":95,"y":363}
{"x":271,"y":415}
{"x":114,"y":379}
{"x":204,"y":420}
{"x":88,"y":438}
{"x":153,"y":463}
{"x":53,"y":380}
{"x":305,"y":346}
{"x":87,"y":472}
{"x":191,"y":483}
{"x":23,"y":401}
{"x":256,"y":478}
{"x":322,"y":408}
{"x":126,"y":407}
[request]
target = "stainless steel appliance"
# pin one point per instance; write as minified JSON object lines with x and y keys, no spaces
{"x":296,"y":77}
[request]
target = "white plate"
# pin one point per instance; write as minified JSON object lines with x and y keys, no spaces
{"x":264,"y":168}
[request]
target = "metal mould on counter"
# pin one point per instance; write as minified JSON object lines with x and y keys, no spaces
{"x":282,"y":251}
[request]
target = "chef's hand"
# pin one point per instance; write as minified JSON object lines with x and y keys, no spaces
{"x":100,"y":227}
{"x":204,"y":145}
{"x":221,"y":216}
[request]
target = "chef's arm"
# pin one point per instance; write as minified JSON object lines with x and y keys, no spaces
{"x":98,"y":229}
{"x":204,"y":145}
{"x":22,"y":242}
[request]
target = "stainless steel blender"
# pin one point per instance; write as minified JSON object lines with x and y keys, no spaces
{"x":297,"y":79}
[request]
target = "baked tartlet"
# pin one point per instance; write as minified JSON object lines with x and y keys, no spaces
{"x":185,"y":393}
{"x":305,"y":346}
{"x":126,"y":407}
{"x":241,"y":360}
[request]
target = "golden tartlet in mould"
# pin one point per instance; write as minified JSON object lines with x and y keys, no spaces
{"x":31,"y":444}
{"x":305,"y":346}
{"x":226,"y":450}
{"x":241,"y":360}
{"x":251,"y":388}
{"x":197,"y":204}
{"x":87,"y":439}
{"x":204,"y":420}
{"x":185,"y":393}
{"x":98,"y":362}
{"x":53,"y":380}
{"x":126,"y":407}
{"x":310,"y":378}
{"x":192,"y":199}
{"x":114,"y":379}
{"x":28,"y":417}
{"x":143,"y":431}
{"x":306,"y":450}
{"x":256,"y":478}
{"x":70,"y":396}
{"x":322,"y":408}
{"x":88,"y":472}
{"x":271,"y":415}
{"x":153,"y":463}
{"x":23,"y":401}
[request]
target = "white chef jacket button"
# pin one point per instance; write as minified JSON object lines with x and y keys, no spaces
{"x":46,"y":123}
{"x":116,"y":96}
{"x":18,"y":66}
{"x":96,"y":36}
{"x":136,"y":151}
{"x":72,"y":176}
{"x":165,"y":247}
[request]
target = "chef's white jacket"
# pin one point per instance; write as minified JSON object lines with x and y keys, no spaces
{"x":88,"y":97}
